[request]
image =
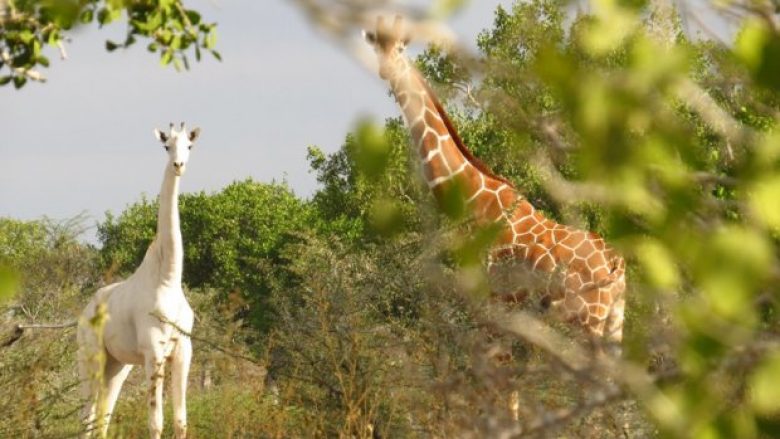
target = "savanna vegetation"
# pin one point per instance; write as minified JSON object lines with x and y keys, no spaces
{"x":363,"y":310}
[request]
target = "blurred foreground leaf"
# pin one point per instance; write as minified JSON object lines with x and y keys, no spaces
{"x":9,"y":284}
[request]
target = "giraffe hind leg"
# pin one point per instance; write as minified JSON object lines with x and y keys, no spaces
{"x":614,"y":335}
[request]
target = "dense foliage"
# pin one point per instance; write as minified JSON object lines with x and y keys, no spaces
{"x":367,"y":305}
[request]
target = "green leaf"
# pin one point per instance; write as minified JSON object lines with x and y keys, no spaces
{"x":26,"y":36}
{"x":166,"y":57}
{"x":608,"y":32}
{"x":769,"y":72}
{"x":165,"y":36}
{"x":19,"y":81}
{"x":729,"y":266}
{"x":445,"y":8}
{"x":53,"y":38}
{"x":470,"y":250}
{"x":87,"y":15}
{"x":193,"y":16}
{"x":216,"y":55}
{"x":372,"y":151}
{"x":758,"y":47}
{"x":765,"y":201}
{"x":211,"y":39}
{"x":154,"y":21}
{"x":111,"y":46}
{"x":9,"y":284}
{"x":5,"y":79}
{"x":452,"y":199}
{"x":385,"y":217}
{"x":658,"y":263}
{"x":104,"y":17}
{"x":36,"y":48}
{"x":750,"y":43}
{"x":765,"y":386}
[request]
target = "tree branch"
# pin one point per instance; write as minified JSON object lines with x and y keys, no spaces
{"x":209,"y":343}
{"x":20,"y":328}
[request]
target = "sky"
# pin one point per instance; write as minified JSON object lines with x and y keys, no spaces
{"x":83,"y":142}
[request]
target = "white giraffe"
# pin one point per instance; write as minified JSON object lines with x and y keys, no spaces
{"x":141,"y":314}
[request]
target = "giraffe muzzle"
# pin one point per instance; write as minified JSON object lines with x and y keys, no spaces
{"x":384,"y":72}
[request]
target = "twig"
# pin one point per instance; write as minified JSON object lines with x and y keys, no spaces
{"x":562,"y":416}
{"x":14,"y":337}
{"x":47,"y":325}
{"x":63,"y":52}
{"x":717,"y":118}
{"x":707,"y":177}
{"x":20,"y":328}
{"x":466,"y":89}
{"x":209,"y":343}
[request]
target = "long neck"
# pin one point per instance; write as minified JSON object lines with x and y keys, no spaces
{"x":168,"y":231}
{"x":444,"y":158}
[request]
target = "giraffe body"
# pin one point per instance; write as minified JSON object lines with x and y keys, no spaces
{"x":141,"y":312}
{"x":576,"y":271}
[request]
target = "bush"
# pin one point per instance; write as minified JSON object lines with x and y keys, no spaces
{"x":233,"y":240}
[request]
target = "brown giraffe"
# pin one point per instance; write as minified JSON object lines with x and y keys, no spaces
{"x":580,"y":275}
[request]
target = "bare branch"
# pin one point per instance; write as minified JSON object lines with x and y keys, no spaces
{"x":48,"y":325}
{"x":209,"y":343}
{"x":717,"y":118}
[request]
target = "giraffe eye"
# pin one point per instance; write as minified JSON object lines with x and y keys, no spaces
{"x":167,"y":148}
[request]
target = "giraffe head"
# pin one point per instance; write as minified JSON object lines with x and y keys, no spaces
{"x":178,"y":145}
{"x":389,"y":42}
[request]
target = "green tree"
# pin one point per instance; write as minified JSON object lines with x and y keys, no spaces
{"x":47,"y":264}
{"x":369,"y":188}
{"x":641,"y":122}
{"x":669,"y":147}
{"x":27,"y":26}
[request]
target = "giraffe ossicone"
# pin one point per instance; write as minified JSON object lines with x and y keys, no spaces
{"x":144,"y":316}
{"x":578,"y":274}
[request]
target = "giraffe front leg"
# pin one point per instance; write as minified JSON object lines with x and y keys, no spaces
{"x":154,"y":365}
{"x":180,"y":368}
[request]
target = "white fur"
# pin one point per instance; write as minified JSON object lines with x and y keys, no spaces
{"x":139,"y":308}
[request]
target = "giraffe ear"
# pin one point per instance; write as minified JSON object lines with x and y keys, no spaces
{"x":161,"y":136}
{"x":370,"y":37}
{"x":194,"y":134}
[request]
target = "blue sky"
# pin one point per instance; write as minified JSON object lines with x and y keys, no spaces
{"x":83,"y":141}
